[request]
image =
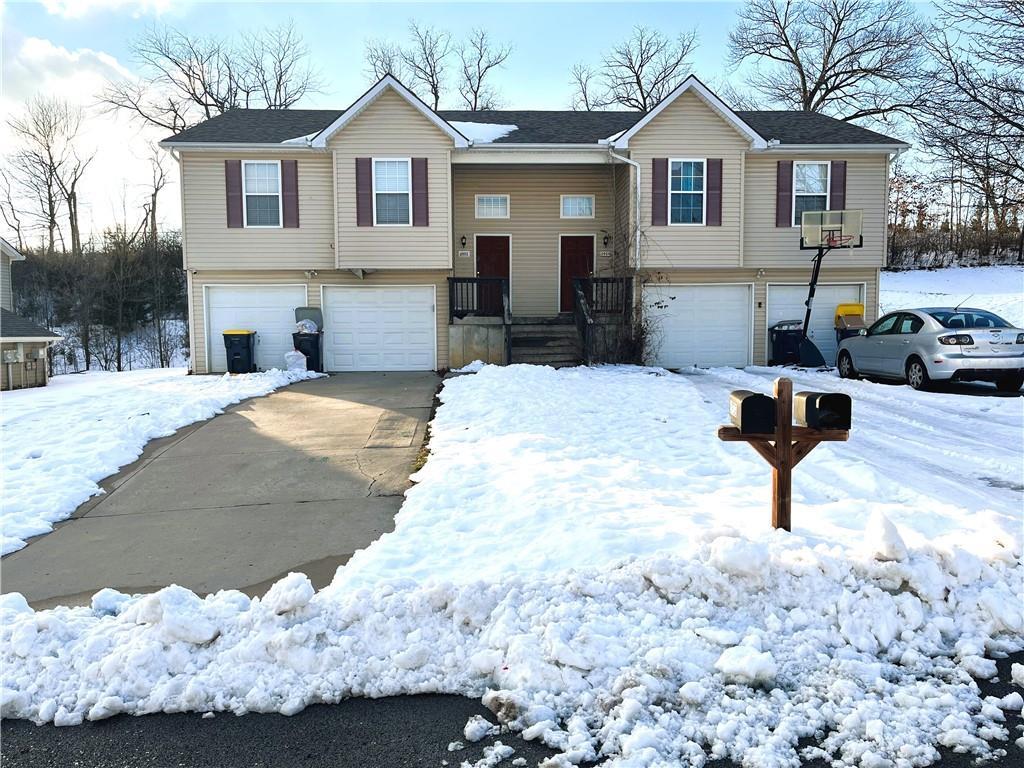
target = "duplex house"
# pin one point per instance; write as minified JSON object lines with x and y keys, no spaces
{"x":430,"y":238}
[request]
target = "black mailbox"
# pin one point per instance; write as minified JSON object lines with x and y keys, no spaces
{"x":822,"y":410}
{"x":752,"y":412}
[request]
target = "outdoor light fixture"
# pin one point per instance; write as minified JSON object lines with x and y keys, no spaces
{"x":606,"y":239}
{"x":760,"y":274}
{"x":463,"y":241}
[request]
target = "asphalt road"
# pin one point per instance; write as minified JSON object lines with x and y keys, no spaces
{"x":358,"y":733}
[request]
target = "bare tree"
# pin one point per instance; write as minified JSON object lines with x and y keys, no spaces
{"x":479,"y":56}
{"x":190,"y":79}
{"x":383,"y":58}
{"x":8,"y":209}
{"x":850,"y":59}
{"x":426,"y":61}
{"x":635,"y":74}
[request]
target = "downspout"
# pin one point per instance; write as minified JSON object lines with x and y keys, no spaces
{"x":636,"y":165}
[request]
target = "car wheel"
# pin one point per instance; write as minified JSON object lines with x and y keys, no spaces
{"x":917,"y":374}
{"x":1010,"y":383}
{"x":846,"y":369}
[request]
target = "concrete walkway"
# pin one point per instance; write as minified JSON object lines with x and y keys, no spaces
{"x":297,"y":480}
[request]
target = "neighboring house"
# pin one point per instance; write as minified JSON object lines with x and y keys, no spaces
{"x":408,"y":227}
{"x":23,"y":344}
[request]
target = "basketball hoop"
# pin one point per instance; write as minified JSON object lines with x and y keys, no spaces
{"x":838,"y":241}
{"x":831,"y":229}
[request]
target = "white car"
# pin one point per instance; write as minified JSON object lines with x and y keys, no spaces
{"x":937,"y":344}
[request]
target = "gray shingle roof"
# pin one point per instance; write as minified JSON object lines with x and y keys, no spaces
{"x":14,"y":326}
{"x":273,"y":126}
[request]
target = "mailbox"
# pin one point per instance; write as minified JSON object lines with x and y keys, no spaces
{"x":752,"y":412}
{"x":822,"y":410}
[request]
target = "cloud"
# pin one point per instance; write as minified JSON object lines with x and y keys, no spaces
{"x":76,"y":9}
{"x":121,"y":148}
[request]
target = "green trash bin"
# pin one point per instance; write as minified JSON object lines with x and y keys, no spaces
{"x":240,"y":346}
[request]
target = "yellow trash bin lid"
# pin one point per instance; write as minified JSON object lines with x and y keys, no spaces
{"x":846,"y":310}
{"x":238,"y":332}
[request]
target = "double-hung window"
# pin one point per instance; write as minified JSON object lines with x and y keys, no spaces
{"x":392,"y":191}
{"x":686,"y":192}
{"x":810,"y":188}
{"x":492,"y":207}
{"x":577,"y":207}
{"x":261,"y":188}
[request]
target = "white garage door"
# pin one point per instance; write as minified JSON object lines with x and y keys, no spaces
{"x":705,"y":325}
{"x":379,"y":328}
{"x":786,"y":302}
{"x":267,"y":309}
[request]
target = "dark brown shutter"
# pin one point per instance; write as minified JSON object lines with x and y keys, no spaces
{"x":290,"y":193}
{"x":714,"y":202}
{"x":784,"y":194}
{"x":420,"y":202}
{"x":837,"y":191}
{"x":364,"y":192}
{"x":233,"y":187}
{"x":659,"y":191}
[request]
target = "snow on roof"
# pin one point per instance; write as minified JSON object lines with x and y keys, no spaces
{"x":301,"y":139}
{"x":482,"y":133}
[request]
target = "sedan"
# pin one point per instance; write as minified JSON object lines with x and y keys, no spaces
{"x":920,"y":346}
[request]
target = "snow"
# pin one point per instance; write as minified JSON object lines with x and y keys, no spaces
{"x":584,"y":555}
{"x":482,"y":133}
{"x":302,"y":139}
{"x":60,"y":441}
{"x":997,"y":289}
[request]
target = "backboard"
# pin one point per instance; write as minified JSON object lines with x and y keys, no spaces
{"x":831,"y":229}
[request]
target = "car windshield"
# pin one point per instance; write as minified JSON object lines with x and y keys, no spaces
{"x":968,"y":318}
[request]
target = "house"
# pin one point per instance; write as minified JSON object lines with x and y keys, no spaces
{"x":432,"y":238}
{"x":23,"y":344}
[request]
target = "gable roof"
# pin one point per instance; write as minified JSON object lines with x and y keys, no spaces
{"x":257,"y":126}
{"x":811,"y":128}
{"x":10,"y":251}
{"x":549,"y":127}
{"x":14,"y":326}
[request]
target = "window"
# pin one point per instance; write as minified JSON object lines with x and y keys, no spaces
{"x":261,"y":188}
{"x":884,"y":326}
{"x":968,"y":318}
{"x":392,"y":192}
{"x":492,"y":206}
{"x":577,"y":207}
{"x":810,"y":188}
{"x":909,"y":324}
{"x":686,"y":192}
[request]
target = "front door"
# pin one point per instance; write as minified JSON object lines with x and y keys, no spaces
{"x":577,"y":260}
{"x":492,"y":260}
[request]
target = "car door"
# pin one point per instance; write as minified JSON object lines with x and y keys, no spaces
{"x":898,"y":345}
{"x":876,"y":345}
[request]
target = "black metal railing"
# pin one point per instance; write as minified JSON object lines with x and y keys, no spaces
{"x":593,"y":296}
{"x":584,"y":319}
{"x":482,"y":297}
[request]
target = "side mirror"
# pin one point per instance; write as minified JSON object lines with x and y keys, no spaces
{"x":862,"y":332}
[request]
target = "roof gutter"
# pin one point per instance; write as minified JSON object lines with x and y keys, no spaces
{"x":779,"y":147}
{"x":234,"y":146}
{"x":612,"y":153}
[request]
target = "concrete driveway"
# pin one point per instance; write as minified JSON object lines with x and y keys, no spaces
{"x":295,"y":481}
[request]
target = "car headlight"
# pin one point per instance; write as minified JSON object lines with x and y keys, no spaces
{"x":960,"y":338}
{"x":1020,"y":338}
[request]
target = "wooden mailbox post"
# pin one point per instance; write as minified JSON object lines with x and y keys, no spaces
{"x":783,"y":449}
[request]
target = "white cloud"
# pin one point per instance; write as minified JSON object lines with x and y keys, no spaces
{"x":76,"y":9}
{"x":121,"y":148}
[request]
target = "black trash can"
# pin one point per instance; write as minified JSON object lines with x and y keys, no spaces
{"x":311,"y":345}
{"x":784,"y":342}
{"x":240,"y":346}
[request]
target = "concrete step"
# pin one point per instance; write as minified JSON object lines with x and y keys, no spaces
{"x":546,"y":320}
{"x":543,"y":330}
{"x":555,"y":361}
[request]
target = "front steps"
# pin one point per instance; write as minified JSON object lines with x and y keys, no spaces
{"x":545,"y":341}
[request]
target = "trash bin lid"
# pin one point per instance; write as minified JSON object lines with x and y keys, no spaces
{"x":238,"y":332}
{"x":310,"y":313}
{"x":848,"y":309}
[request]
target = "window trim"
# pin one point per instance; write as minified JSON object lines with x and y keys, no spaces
{"x":280,"y":196}
{"x":703,"y":192}
{"x":828,"y":186}
{"x":593,"y":207}
{"x":476,"y":206}
{"x":373,"y":187}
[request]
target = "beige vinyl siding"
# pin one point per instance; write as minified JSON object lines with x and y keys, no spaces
{"x":868,"y":276}
{"x":769,"y":246}
{"x":535,"y":223}
{"x":391,"y":127}
{"x":623,"y":240}
{"x":689,"y":128}
{"x":197,"y":308}
{"x":6,"y":297}
{"x":212,"y":245}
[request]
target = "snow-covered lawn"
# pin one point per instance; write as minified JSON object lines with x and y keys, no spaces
{"x":997,"y":289}
{"x":59,"y":442}
{"x":584,"y":554}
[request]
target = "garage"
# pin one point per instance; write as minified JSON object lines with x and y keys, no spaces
{"x":705,"y":325}
{"x":379,"y":328}
{"x":786,"y":302}
{"x":267,"y":309}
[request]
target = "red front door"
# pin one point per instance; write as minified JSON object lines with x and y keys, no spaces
{"x":492,"y":252}
{"x":577,"y":255}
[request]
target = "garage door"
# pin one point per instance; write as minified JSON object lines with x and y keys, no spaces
{"x":705,"y":325}
{"x":786,"y":302}
{"x":379,"y":328}
{"x":267,"y":309}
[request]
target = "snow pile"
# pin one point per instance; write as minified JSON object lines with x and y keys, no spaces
{"x":482,"y":133}
{"x":997,"y":289}
{"x":59,"y":442}
{"x":668,"y":657}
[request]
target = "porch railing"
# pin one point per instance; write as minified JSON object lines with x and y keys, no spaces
{"x":482,"y":297}
{"x":597,"y":296}
{"x":584,"y":320}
